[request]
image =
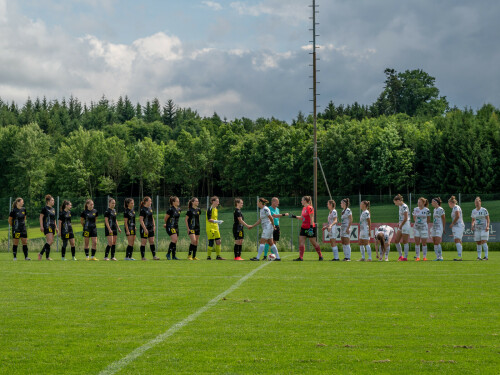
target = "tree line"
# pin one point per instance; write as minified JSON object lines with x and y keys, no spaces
{"x":409,"y":140}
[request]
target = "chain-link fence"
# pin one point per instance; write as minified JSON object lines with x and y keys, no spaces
{"x":382,"y":210}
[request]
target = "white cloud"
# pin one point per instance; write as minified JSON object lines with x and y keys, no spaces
{"x":212,"y":5}
{"x":3,"y":10}
{"x":160,"y":46}
{"x":292,"y":10}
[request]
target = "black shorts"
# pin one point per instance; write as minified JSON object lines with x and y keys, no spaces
{"x":107,"y":233}
{"x":90,"y":233}
{"x":20,"y":234}
{"x":309,"y":233}
{"x":49,"y":230}
{"x":238,"y":233}
{"x":195,"y":231}
{"x":276,"y":233}
{"x":151,"y":233}
{"x":67,"y":236}
{"x":131,"y":231}
{"x":172,"y":231}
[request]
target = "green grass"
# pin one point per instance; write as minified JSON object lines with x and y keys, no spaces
{"x":290,"y":317}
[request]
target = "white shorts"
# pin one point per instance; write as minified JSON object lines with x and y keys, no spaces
{"x":332,"y":234}
{"x":345,"y":232}
{"x":437,"y":232}
{"x":364,"y":234}
{"x":421,"y":232}
{"x":458,"y":232}
{"x":406,"y":228}
{"x":481,"y":235}
{"x":267,"y":233}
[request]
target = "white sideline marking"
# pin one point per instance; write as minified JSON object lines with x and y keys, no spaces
{"x":114,"y":367}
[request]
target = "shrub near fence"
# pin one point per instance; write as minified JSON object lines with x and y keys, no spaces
{"x":382,"y":210}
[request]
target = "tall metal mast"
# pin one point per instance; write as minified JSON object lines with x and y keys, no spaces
{"x":315,"y":152}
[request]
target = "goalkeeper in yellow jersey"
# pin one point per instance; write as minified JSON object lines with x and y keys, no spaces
{"x":213,"y":233}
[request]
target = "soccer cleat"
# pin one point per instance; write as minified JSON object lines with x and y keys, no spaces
{"x":386,"y":259}
{"x":175,"y":258}
{"x":94,"y":259}
{"x":417,"y":259}
{"x":361,"y":260}
{"x":254,"y":259}
{"x":425,"y":259}
{"x":404,"y":259}
{"x":320,"y":258}
{"x":143,"y":258}
{"x":478,"y":258}
{"x":27,"y":258}
{"x":156,"y":258}
{"x":220,"y":258}
{"x":277,"y":260}
{"x":131,"y":259}
{"x":239,"y":258}
{"x":168,"y":256}
{"x":87,"y":258}
{"x":114,"y":259}
{"x":400,"y":258}
{"x":106,"y":258}
{"x":39,"y":256}
{"x":299,"y":259}
{"x":63,"y":258}
{"x":14,"y":259}
{"x":190,"y":257}
{"x":485,"y":258}
{"x":346,"y":259}
{"x":209,"y":258}
{"x":194,"y":258}
{"x":368,"y":260}
{"x":265,"y":257}
{"x":74,"y":258}
{"x":126,"y":258}
{"x":335,"y":260}
{"x":49,"y":258}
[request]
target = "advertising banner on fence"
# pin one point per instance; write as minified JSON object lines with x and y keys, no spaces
{"x":447,"y":235}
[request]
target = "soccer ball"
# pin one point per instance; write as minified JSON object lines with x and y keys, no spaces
{"x":271,"y":257}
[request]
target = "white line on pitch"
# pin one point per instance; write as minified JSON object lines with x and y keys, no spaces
{"x":114,"y":367}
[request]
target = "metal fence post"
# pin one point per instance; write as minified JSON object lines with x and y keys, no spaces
{"x":8,"y":234}
{"x":258,"y":228}
{"x":291,"y":237}
{"x":157,"y":219}
{"x":409,"y":211}
{"x":57,"y":222}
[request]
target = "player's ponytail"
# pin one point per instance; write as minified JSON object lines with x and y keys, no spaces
{"x":398,"y":197}
{"x":172,"y":200}
{"x":347,"y":203}
{"x":14,"y":205}
{"x":437,"y":200}
{"x":367,"y":204}
{"x":127,"y":202}
{"x":213,"y":199}
{"x":307,"y":198}
{"x":48,"y":197}
{"x":191,"y":201}
{"x":64,"y":204}
{"x":144,"y":200}
{"x":264,"y":201}
{"x":237,"y":201}
{"x":332,"y":203}
{"x":425,"y":201}
{"x":452,"y":199}
{"x":381,"y":238}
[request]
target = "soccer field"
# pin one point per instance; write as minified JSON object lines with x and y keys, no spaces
{"x":229,"y":317}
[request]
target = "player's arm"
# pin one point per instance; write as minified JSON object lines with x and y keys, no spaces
{"x":82,"y":221}
{"x":209,"y":216}
{"x":143,"y":226}
{"x":242,"y":222}
{"x":487,"y":223}
{"x":125,"y":224}
{"x":405,"y":216}
{"x":472,"y":224}
{"x":10,"y":220}
{"x":369,"y":221}
{"x":186,"y":220}
{"x":106,"y":222}
{"x":443,"y":219}
{"x":41,"y":222}
{"x":154,"y":224}
{"x":271,"y":219}
{"x":350,"y":220}
{"x":167,"y":216}
{"x":59,"y":224}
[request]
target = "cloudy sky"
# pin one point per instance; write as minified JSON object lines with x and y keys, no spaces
{"x":245,"y":58}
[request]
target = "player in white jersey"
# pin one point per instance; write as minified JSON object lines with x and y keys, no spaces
{"x":383,"y":238}
{"x":365,"y":224}
{"x":403,"y":234}
{"x":422,"y":218}
{"x":481,"y":227}
{"x":345,"y":228}
{"x":331,"y":228}
{"x":267,"y":222}
{"x":438,"y":223}
{"x":457,"y":225}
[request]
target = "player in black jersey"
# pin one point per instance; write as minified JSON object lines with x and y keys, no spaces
{"x":111,"y":229}
{"x":17,"y":221}
{"x":148,"y":228}
{"x":66,"y":229}
{"x":129,"y":224}
{"x":238,"y":225}
{"x":48,"y":226}
{"x":172,"y":226}
{"x":88,"y":218}
{"x":193,"y":226}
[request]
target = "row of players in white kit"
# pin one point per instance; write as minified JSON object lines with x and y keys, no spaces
{"x":422,"y":217}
